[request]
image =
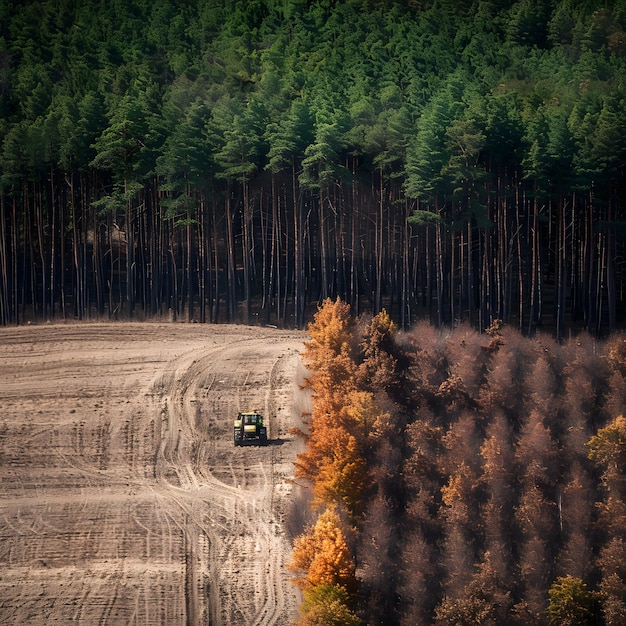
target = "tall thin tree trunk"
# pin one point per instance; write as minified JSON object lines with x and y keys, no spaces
{"x":265,"y":264}
{"x":610,"y":274}
{"x":534,"y":270}
{"x":379,"y":243}
{"x":405,"y":301}
{"x":439,"y":260}
{"x":231,"y":285}
{"x":203,"y":259}
{"x":354,"y":287}
{"x":246,"y":250}
{"x":76,"y":249}
{"x":216,"y":263}
{"x":463,"y":277}
{"x":297,"y":249}
{"x":275,"y":281}
{"x":323,"y":246}
{"x":53,"y":249}
{"x":5,"y":305}
{"x":520,"y":259}
{"x":470,"y":273}
{"x":451,"y":284}
{"x":41,"y":245}
{"x":561,"y":269}
{"x":189,"y":263}
{"x":600,"y":272}
{"x":590,"y":260}
{"x":15,"y":256}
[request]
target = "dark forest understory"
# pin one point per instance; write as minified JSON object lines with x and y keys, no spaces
{"x":163,"y":269}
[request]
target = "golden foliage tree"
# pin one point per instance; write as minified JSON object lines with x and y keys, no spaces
{"x":343,"y":475}
{"x":335,"y":457}
{"x":321,"y":556}
{"x":342,"y":415}
{"x":607,"y":448}
{"x":330,"y":331}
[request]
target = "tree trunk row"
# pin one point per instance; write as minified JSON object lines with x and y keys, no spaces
{"x":253,"y":252}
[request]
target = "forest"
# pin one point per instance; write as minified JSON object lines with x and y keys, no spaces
{"x":225,"y":160}
{"x":461,"y":478}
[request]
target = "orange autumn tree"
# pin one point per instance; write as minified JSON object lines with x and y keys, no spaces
{"x":342,"y":414}
{"x":335,"y":457}
{"x":325,"y":571}
{"x":331,"y":333}
{"x":321,"y":556}
{"x":607,"y":450}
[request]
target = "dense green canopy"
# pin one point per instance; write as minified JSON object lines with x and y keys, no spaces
{"x":227,"y":159}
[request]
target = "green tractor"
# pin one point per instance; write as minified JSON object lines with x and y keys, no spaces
{"x":249,"y":428}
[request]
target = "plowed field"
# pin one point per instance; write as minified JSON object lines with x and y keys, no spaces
{"x":122,"y":497}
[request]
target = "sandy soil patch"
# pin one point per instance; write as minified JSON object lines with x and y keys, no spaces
{"x":122,"y":497}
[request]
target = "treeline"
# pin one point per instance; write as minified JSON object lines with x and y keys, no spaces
{"x":233,"y":160}
{"x":463,"y":478}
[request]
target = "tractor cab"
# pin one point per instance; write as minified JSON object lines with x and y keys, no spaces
{"x":249,"y":428}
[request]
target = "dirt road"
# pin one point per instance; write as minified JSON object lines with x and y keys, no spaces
{"x":122,"y":497}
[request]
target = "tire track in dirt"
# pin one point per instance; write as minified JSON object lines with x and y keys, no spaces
{"x":242,"y":527}
{"x":122,"y":497}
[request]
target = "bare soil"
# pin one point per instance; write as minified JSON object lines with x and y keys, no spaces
{"x":122,"y":497}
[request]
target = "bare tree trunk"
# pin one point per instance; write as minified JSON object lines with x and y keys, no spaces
{"x":440,"y":268}
{"x":41,"y":246}
{"x":323,"y":246}
{"x":610,"y":255}
{"x":111,"y":264}
{"x":297,"y":249}
{"x":576,"y":271}
{"x":216,"y":265}
{"x":275,"y":257}
{"x":588,"y":266}
{"x":29,"y":256}
{"x":561,"y":269}
{"x":282,"y":270}
{"x":76,"y":249}
{"x":534,"y":270}
{"x":428,"y":263}
{"x":53,"y":249}
{"x":485,"y":283}
{"x":451,"y":284}
{"x":379,"y":243}
{"x":189,"y":263}
{"x":405,"y":300}
{"x":130,"y":249}
{"x":5,"y":303}
{"x":265,"y":264}
{"x":96,"y":264}
{"x":15,"y":257}
{"x":600,"y":271}
{"x":201,"y":260}
{"x":354,"y":285}
{"x":507,"y":245}
{"x":340,"y":257}
{"x":463,"y":274}
{"x":246,"y":250}
{"x":231,"y":284}
{"x":471,"y":286}
{"x":520,"y":259}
